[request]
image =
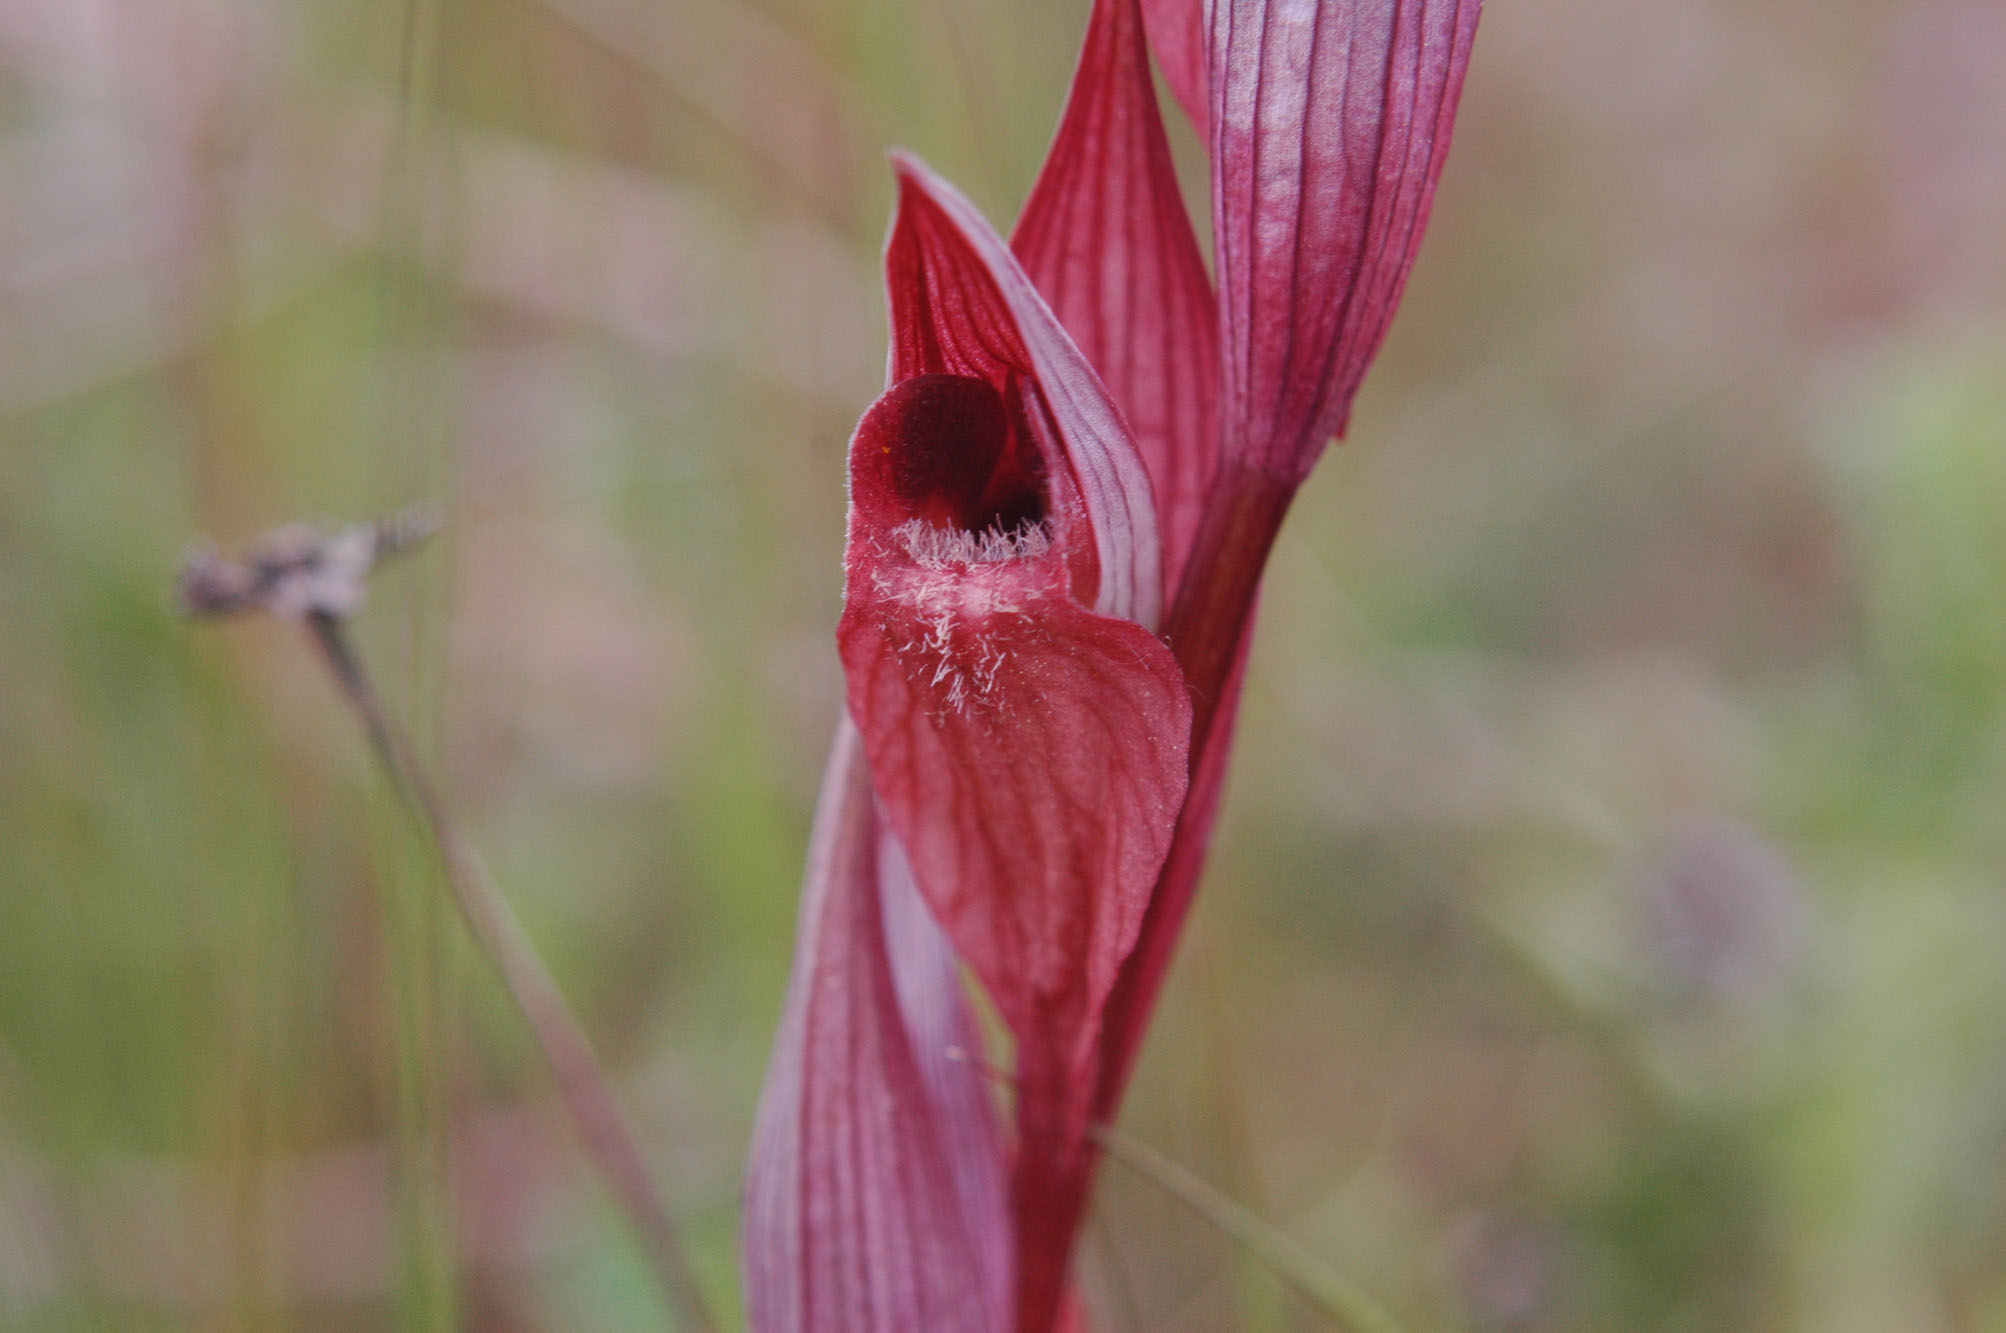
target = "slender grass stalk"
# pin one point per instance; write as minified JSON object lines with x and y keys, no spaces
{"x":318,"y":579}
{"x":1324,"y":1288}
{"x":595,"y":1113}
{"x":425,"y":981}
{"x":427,"y":1228}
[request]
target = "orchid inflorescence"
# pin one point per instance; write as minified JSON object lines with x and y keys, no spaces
{"x":1060,"y":510}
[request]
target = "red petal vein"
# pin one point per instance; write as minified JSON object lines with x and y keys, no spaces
{"x":1031,"y":759}
{"x":1106,"y":239}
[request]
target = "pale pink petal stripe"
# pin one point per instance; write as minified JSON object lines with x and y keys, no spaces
{"x":1330,"y":125}
{"x":949,"y":1050}
{"x":862,"y":1212}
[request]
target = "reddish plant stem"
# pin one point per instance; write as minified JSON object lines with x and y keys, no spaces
{"x":595,"y":1113}
{"x":1209,"y":620}
{"x":1221,"y":578}
{"x":1054,"y":1167}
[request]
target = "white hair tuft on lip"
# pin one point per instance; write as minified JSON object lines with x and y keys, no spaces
{"x":935,"y":547}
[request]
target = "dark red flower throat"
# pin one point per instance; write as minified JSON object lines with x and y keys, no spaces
{"x":953,"y":452}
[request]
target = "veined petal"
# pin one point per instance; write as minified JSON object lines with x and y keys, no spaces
{"x":1330,"y":125}
{"x":1028,"y":738}
{"x":1031,"y":755}
{"x":1029,"y":751}
{"x":1106,"y":239}
{"x":948,"y":1049}
{"x":874,"y":1194}
{"x":961,"y":305}
{"x":1177,"y":35}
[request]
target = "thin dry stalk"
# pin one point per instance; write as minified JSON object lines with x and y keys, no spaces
{"x":1329,"y":1291}
{"x":318,"y":579}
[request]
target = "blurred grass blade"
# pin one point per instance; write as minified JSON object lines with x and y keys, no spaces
{"x":595,"y":1113}
{"x":1329,"y":1291}
{"x":319,"y":579}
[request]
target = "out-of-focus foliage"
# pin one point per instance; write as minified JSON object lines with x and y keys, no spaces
{"x":1607,"y":927}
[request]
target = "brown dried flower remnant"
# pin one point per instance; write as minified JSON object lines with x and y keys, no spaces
{"x":300,"y":570}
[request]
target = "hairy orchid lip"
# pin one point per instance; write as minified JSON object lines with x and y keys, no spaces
{"x":952,"y":452}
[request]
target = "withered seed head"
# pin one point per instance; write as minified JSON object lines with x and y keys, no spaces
{"x":299,"y":569}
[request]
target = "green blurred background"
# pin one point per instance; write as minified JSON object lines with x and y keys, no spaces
{"x":1607,"y":925}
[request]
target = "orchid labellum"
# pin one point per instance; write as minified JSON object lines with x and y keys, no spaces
{"x":1059,"y":513}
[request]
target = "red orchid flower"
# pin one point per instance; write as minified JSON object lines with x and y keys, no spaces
{"x":1059,"y":513}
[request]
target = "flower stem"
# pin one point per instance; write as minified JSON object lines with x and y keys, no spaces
{"x":1215,"y":598}
{"x":602,"y":1128}
{"x":1209,"y":623}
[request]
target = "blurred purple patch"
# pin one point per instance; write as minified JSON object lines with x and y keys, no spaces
{"x":1726,"y":915}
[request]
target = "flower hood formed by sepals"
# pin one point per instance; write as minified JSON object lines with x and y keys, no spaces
{"x":1108,"y":241}
{"x":1080,"y":448}
{"x":1026,"y":736}
{"x":1026,"y":732}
